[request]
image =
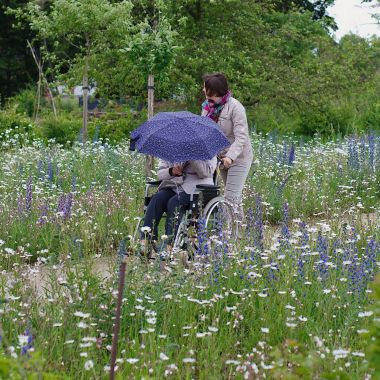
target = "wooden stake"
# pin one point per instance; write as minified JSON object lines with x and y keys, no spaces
{"x":116,"y":328}
{"x":41,"y":78}
{"x":85,"y":102}
{"x":149,"y":159}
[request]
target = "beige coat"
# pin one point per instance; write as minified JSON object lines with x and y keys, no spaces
{"x":233,"y":123}
{"x":196,"y":172}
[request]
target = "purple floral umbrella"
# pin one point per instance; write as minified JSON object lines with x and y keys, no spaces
{"x":179,"y":136}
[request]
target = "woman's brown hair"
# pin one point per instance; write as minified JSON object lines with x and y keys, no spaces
{"x":215,"y":84}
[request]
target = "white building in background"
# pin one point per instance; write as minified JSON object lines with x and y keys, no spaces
{"x":78,"y":90}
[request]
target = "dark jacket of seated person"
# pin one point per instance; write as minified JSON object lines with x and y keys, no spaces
{"x":179,"y":180}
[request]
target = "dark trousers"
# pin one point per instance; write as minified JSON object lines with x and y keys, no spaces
{"x":169,"y":202}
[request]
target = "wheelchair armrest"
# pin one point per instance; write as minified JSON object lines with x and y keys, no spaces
{"x":208,"y":187}
{"x":153,"y":183}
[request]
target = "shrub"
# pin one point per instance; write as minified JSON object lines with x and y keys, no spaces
{"x":116,"y":128}
{"x":29,"y":368}
{"x":65,"y":129}
{"x":266,"y":118}
{"x":14,"y":126}
{"x":24,"y":103}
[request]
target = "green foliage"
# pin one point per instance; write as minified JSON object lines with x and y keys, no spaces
{"x":24,"y":102}
{"x":279,"y":57}
{"x":152,"y":48}
{"x":64,"y":130}
{"x":112,"y":127}
{"x":72,"y":39}
{"x":26,"y":368}
{"x":15,"y":127}
{"x":116,"y":128}
{"x":17,"y":68}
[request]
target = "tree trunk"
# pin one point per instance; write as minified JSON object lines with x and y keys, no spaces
{"x":41,"y":77}
{"x":38,"y":102}
{"x":85,"y":102}
{"x":149,"y":159}
{"x":51,"y":96}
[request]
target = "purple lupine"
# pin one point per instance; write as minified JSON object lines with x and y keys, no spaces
{"x":61,"y":203}
{"x":272,"y":136}
{"x":355,"y":270}
{"x":29,"y":342}
{"x":221,"y":235}
{"x":363,"y":151}
{"x":337,"y":258}
{"x":272,"y":273}
{"x":285,"y":232}
{"x":322,"y":248}
{"x":370,"y":259}
{"x":356,"y":276}
{"x":44,"y":209}
{"x":29,"y":195}
{"x":371,"y":147}
{"x":304,"y":257}
{"x":353,"y":156}
{"x":68,"y":206}
{"x":292,"y":155}
{"x":50,"y":171}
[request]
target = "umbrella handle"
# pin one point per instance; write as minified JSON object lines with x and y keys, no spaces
{"x":219,"y":164}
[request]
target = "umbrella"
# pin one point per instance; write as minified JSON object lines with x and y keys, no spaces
{"x":179,"y":136}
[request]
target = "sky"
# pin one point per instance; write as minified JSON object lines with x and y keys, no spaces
{"x":352,"y":16}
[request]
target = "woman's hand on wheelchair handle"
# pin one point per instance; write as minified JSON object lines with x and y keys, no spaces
{"x":226,"y":162}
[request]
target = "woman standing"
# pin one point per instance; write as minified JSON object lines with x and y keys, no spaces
{"x":230,"y":114}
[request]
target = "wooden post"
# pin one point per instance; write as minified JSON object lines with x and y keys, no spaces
{"x":37,"y":107}
{"x":41,"y":77}
{"x":85,"y":102}
{"x":149,"y":159}
{"x":116,"y":328}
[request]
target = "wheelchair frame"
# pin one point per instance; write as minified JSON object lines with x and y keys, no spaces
{"x":198,"y":209}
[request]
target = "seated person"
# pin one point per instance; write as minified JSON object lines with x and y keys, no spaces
{"x":173,"y":195}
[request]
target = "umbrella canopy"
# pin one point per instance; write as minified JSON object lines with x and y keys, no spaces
{"x":179,"y":136}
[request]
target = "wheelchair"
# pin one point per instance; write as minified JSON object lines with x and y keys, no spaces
{"x":208,"y":213}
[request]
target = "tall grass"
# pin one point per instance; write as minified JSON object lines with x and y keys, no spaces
{"x":289,"y":299}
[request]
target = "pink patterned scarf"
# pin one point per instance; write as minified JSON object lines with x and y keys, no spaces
{"x":214,"y":109}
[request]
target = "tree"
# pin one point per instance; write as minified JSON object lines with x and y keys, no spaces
{"x":89,"y":27}
{"x":17,"y":68}
{"x":152,"y":49}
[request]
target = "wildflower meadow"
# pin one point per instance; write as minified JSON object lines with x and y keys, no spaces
{"x":294,"y":297}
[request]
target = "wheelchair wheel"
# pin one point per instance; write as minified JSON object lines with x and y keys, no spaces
{"x":136,"y":234}
{"x":219,"y":218}
{"x":186,"y":239}
{"x":181,"y":236}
